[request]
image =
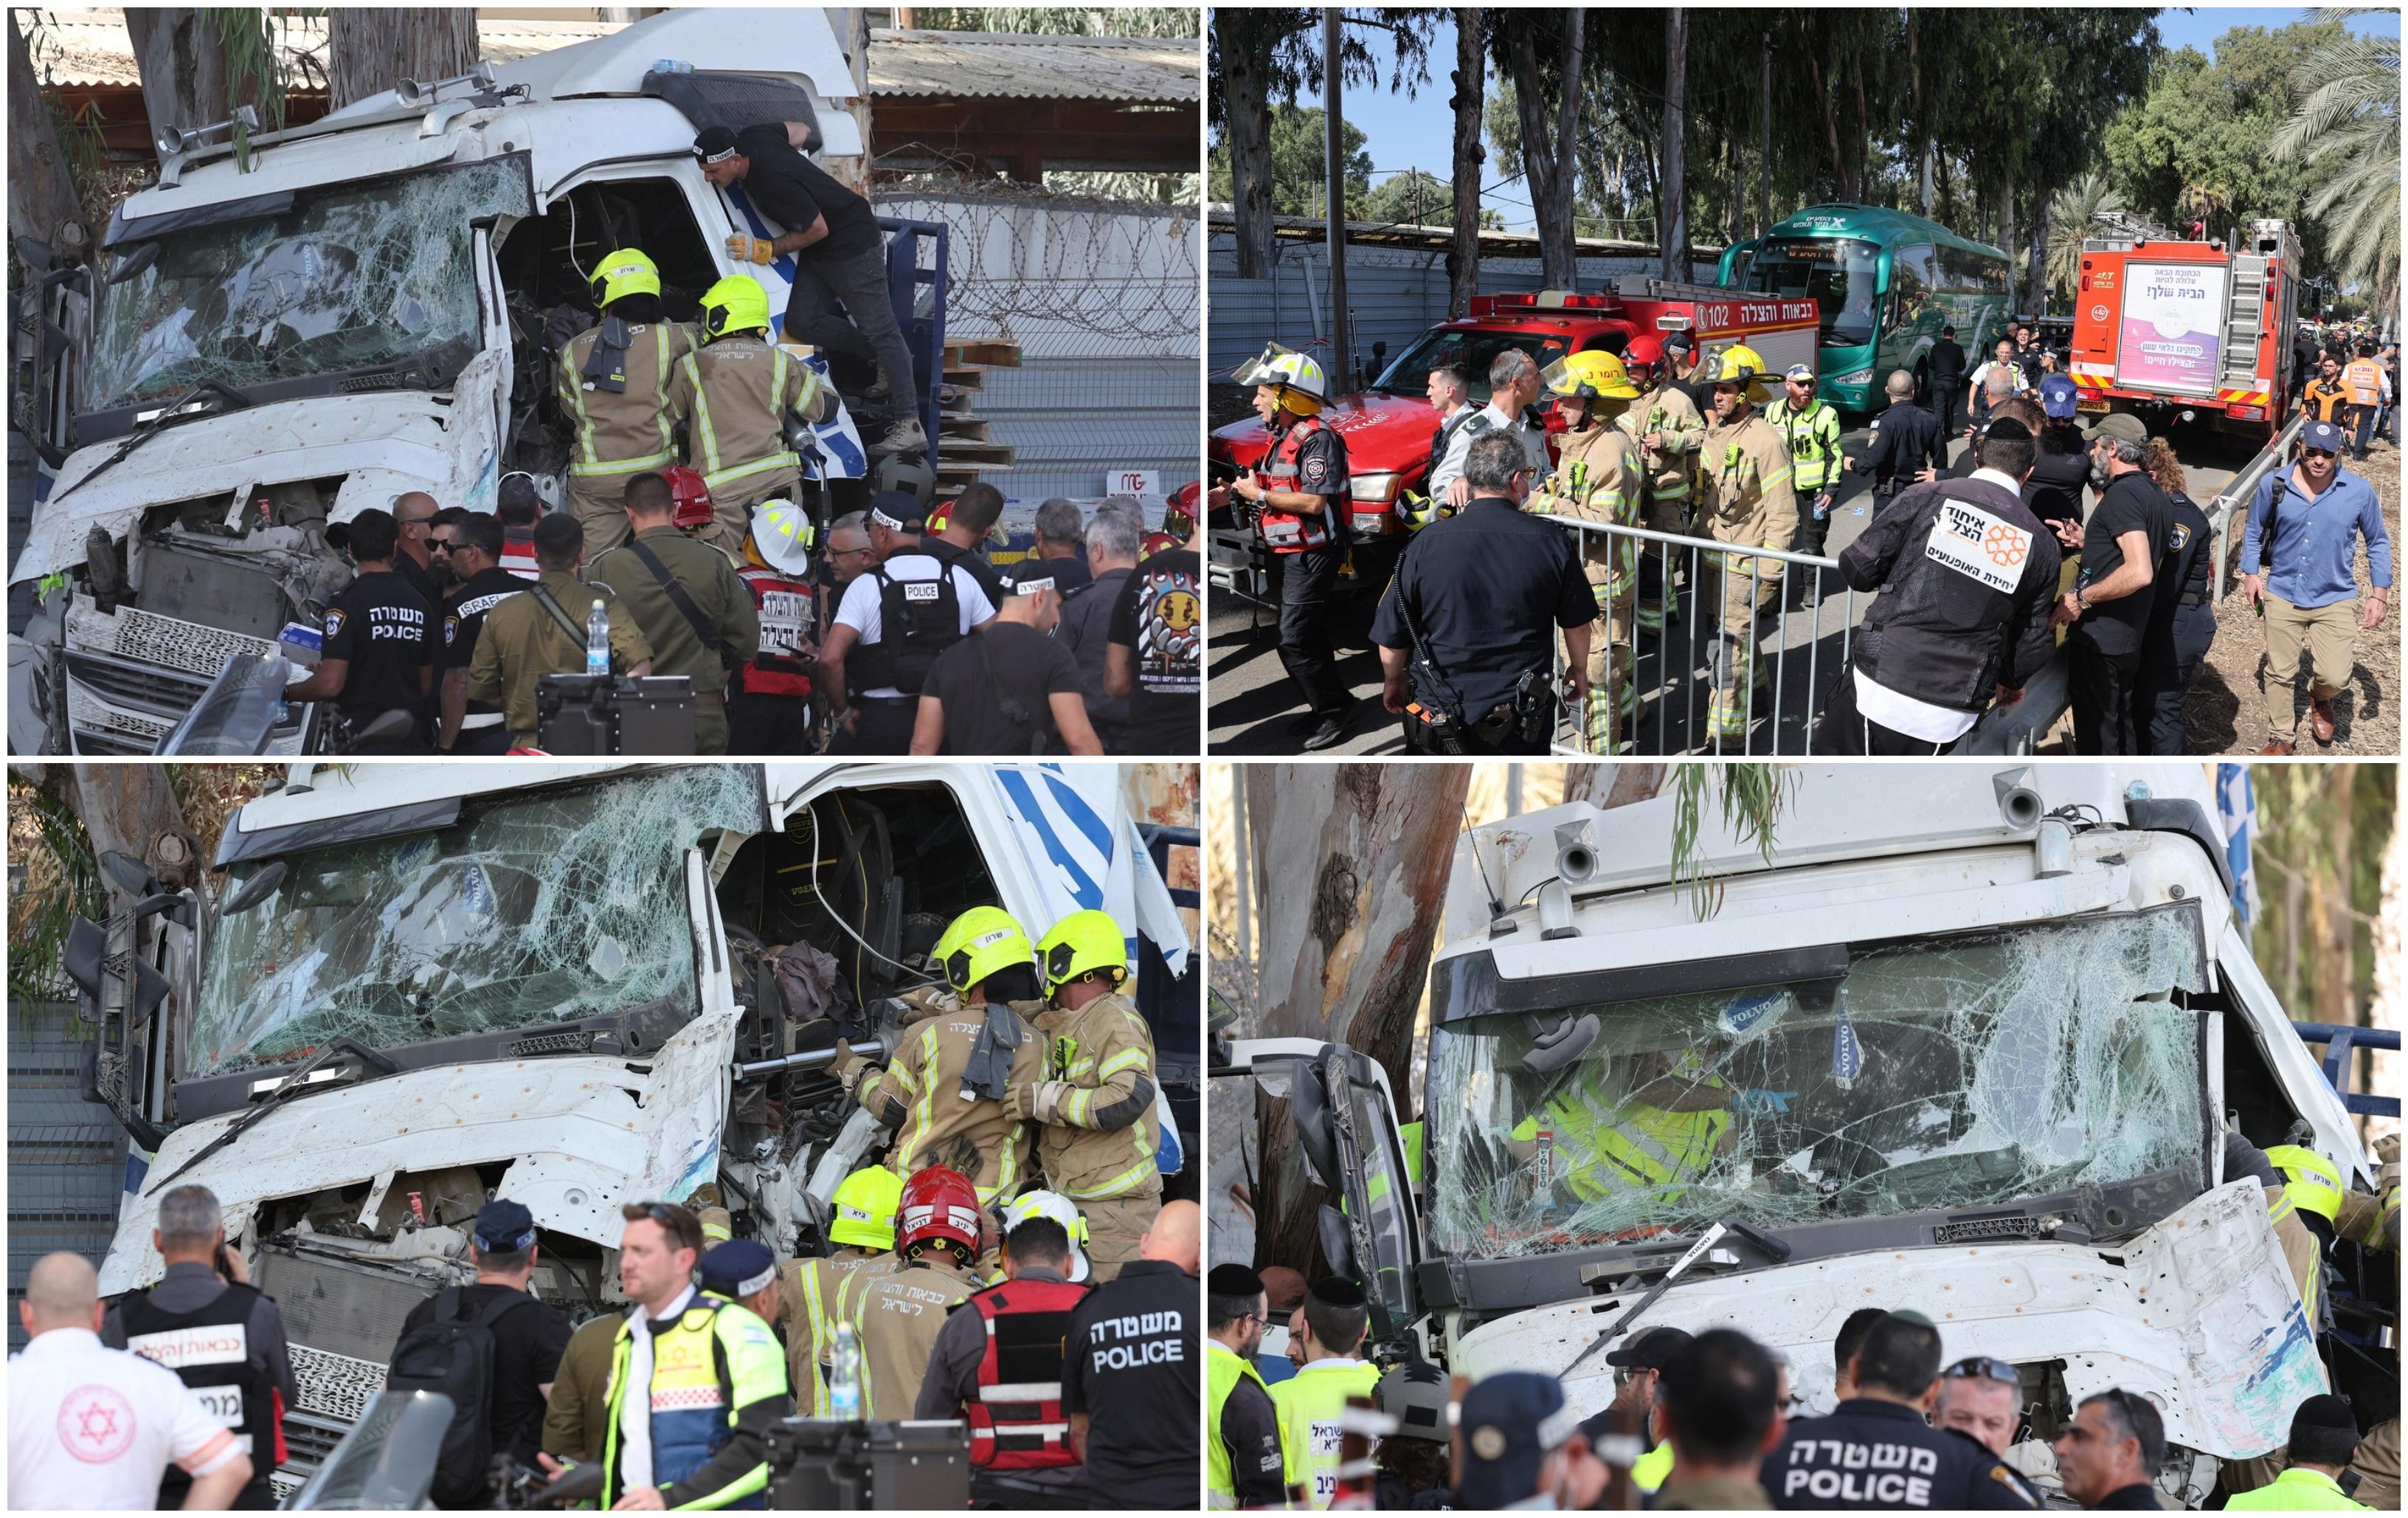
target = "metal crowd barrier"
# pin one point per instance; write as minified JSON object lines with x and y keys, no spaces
{"x":2232,"y":501}
{"x":1674,"y":671}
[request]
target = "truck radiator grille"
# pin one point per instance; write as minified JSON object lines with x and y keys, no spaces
{"x":147,"y":638}
{"x":1986,"y":1230}
{"x":334,"y":1386}
{"x":145,"y":687}
{"x":340,"y":1310}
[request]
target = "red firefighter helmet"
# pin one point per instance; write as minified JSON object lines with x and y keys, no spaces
{"x":1643,"y":352}
{"x":937,"y":1204}
{"x":691,"y":497}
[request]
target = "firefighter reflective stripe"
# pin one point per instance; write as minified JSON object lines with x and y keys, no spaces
{"x":1130,"y":1179}
{"x":1223,"y":1369}
{"x":815,"y":1314}
{"x":717,"y":471}
{"x":1311,"y":1404}
{"x":572,"y":391}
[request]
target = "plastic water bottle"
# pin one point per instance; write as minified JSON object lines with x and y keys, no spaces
{"x":598,"y":640}
{"x":844,"y":1376}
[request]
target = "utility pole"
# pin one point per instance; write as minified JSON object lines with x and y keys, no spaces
{"x":1342,"y":367}
{"x":1764,"y":178}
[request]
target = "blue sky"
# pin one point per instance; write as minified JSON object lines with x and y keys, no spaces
{"x":1418,"y":132}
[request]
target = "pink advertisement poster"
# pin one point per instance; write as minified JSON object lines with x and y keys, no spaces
{"x":2172,"y":316}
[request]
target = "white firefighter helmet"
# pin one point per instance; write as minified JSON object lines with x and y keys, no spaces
{"x":782,"y":538}
{"x":1061,"y":1209}
{"x":1289,"y":370}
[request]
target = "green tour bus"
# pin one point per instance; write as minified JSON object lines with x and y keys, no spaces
{"x":1888,"y":282}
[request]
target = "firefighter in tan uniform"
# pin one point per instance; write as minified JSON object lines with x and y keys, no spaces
{"x":1743,"y":499}
{"x":963,"y":1049}
{"x":614,"y":385}
{"x":1596,"y":479}
{"x":816,"y":1292}
{"x":938,"y":1227}
{"x":735,"y":394}
{"x":1665,"y":423}
{"x":1094,"y":1102}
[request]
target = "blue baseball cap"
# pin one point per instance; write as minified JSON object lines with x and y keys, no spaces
{"x":1511,"y":1422}
{"x":2323,"y":436}
{"x":737,"y":1269}
{"x":505,"y":1227}
{"x":2058,"y":396}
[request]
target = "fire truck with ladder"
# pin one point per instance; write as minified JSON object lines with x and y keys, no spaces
{"x":2168,"y":323}
{"x":1388,"y":424}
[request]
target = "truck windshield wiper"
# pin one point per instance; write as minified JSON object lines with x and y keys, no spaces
{"x":1774,"y":1247}
{"x":170,"y":411}
{"x":293,"y":1085}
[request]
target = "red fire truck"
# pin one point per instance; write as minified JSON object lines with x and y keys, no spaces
{"x":2164,"y":324}
{"x":1388,"y":424}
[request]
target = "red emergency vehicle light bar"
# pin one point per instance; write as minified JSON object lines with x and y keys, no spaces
{"x":1542,"y":300}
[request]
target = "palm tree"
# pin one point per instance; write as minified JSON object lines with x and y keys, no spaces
{"x":2068,"y":221}
{"x":2346,"y":133}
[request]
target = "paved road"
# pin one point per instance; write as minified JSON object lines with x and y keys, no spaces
{"x":1253,"y":706}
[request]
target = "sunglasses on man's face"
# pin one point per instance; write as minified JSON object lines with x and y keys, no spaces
{"x":2318,"y":453}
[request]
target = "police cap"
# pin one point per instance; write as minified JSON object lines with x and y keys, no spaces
{"x":738,"y":1268}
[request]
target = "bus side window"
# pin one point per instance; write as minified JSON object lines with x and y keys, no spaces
{"x":1910,"y":280}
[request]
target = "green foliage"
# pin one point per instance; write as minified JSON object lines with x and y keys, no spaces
{"x":1752,"y":796}
{"x":2070,"y":215}
{"x":1298,"y":168}
{"x":1413,"y":198}
{"x":2345,"y":135}
{"x":61,"y":882}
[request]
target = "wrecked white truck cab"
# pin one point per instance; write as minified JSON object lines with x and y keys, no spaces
{"x":558,"y":983}
{"x":288,"y":334}
{"x":1967,"y":1047}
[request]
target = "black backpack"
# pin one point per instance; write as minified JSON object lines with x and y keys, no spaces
{"x":453,"y":1354}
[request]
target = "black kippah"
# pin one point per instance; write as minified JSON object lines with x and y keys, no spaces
{"x":1338,"y":1291}
{"x":1233,"y":1281}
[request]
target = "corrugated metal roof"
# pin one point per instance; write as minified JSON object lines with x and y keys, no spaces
{"x":83,"y":49}
{"x":1018,"y":65}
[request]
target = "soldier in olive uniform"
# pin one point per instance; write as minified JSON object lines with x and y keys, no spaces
{"x":614,"y":385}
{"x":735,"y":392}
{"x":706,"y":627}
{"x":542,"y":632}
{"x":1744,"y":499}
{"x":1598,"y":479}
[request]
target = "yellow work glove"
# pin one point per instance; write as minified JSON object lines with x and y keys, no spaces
{"x":751,"y":250}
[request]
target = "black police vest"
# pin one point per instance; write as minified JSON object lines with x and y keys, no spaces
{"x":210,"y":1350}
{"x":917,"y":620}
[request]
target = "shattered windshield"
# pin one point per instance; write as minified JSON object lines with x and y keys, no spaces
{"x":528,"y":910}
{"x":1938,"y":1073}
{"x":349,"y":277}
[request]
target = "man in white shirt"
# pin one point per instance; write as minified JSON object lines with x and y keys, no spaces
{"x":1513,"y":384}
{"x":914,"y":581}
{"x":96,"y":1428}
{"x":1458,"y":422}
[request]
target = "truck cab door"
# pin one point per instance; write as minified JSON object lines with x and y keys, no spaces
{"x":1354,"y":1147}
{"x":53,"y":313}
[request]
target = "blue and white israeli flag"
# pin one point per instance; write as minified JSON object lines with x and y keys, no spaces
{"x":1088,"y":852}
{"x":2236,"y":810}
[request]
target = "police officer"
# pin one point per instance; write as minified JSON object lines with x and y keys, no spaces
{"x":1946,"y":370}
{"x":1463,"y":629}
{"x":1311,"y":1404}
{"x":204,"y":1320}
{"x":1811,"y":428}
{"x":1968,"y":576}
{"x":708,"y":1371}
{"x":744,"y":1272}
{"x":769,"y":699}
{"x":2182,"y":613}
{"x":1666,"y":424}
{"x":695,"y":613}
{"x":939,"y":1228}
{"x":379,"y":654}
{"x":963,"y":1048}
{"x":1876,"y":1451}
{"x":812,"y":1292}
{"x":1094,"y":1102}
{"x":996,"y":1364}
{"x":1132,"y":1370}
{"x":737,"y":393}
{"x":1246,"y":1463}
{"x":1598,"y":478}
{"x":1298,"y":496}
{"x":910,"y":607}
{"x":1906,"y":440}
{"x":542,"y":631}
{"x":471,"y":727}
{"x":1745,"y":501}
{"x":614,"y":385}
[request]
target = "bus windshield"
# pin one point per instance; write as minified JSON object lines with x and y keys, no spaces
{"x":530,"y":909}
{"x":1965,"y":1071}
{"x":1840,"y":274}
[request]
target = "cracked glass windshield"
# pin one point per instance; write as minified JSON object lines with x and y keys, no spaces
{"x":349,"y":277}
{"x":1938,"y":1073}
{"x":527,"y":911}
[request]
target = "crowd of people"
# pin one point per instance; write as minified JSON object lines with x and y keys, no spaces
{"x":2043,"y":534}
{"x":1297,"y":1416}
{"x":1009,"y":1266}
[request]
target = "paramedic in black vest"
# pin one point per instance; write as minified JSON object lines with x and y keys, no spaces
{"x":222,"y":1339}
{"x":1011,"y":1335}
{"x":1298,"y":495}
{"x":892,"y":624}
{"x":1968,"y":575}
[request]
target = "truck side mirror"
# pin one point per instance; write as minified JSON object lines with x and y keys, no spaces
{"x":254,"y":891}
{"x":37,"y":254}
{"x":130,"y":874}
{"x":1336,"y":1242}
{"x":135,"y":264}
